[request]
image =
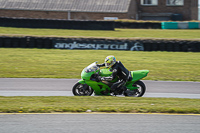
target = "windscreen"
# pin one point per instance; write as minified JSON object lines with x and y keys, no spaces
{"x":91,"y":68}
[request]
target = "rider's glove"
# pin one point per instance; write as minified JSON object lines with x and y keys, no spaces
{"x":99,"y":78}
{"x":102,"y":78}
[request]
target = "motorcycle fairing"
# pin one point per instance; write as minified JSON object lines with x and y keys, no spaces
{"x":99,"y":86}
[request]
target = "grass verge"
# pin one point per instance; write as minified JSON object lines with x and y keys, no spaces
{"x":98,"y":104}
{"x":118,"y":33}
{"x":56,"y":63}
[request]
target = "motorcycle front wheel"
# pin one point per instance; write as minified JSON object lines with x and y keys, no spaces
{"x":82,"y":90}
{"x":139,"y":92}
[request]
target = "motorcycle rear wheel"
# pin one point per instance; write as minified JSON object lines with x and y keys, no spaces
{"x":137,"y":92}
{"x":82,"y":90}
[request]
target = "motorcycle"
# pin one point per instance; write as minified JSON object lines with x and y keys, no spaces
{"x":90,"y":83}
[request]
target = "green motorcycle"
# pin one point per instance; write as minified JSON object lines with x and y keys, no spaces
{"x":90,"y":83}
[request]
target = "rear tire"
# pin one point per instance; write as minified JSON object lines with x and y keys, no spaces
{"x":137,"y":92}
{"x":82,"y":90}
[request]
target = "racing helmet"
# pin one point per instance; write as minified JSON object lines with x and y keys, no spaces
{"x":110,"y":61}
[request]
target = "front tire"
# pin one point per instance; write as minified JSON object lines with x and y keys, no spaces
{"x":82,"y":90}
{"x":136,"y":92}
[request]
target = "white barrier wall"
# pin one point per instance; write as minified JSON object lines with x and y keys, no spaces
{"x":183,"y":25}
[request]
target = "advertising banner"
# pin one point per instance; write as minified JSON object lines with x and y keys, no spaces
{"x":133,"y":46}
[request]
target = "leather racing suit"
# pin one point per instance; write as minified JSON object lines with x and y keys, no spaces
{"x":121,"y":72}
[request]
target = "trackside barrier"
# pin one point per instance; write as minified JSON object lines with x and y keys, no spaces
{"x":56,"y":24}
{"x":75,"y":24}
{"x":138,"y":25}
{"x":92,"y":25}
{"x":194,"y":25}
{"x":100,"y":44}
{"x":180,"y":25}
{"x":169,"y":25}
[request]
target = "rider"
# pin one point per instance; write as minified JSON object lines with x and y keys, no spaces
{"x":117,"y":69}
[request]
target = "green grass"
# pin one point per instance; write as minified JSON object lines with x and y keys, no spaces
{"x":98,"y":104}
{"x":118,"y":33}
{"x":56,"y":63}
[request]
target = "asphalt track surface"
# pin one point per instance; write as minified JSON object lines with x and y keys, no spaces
{"x":99,"y":123}
{"x":62,"y":87}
